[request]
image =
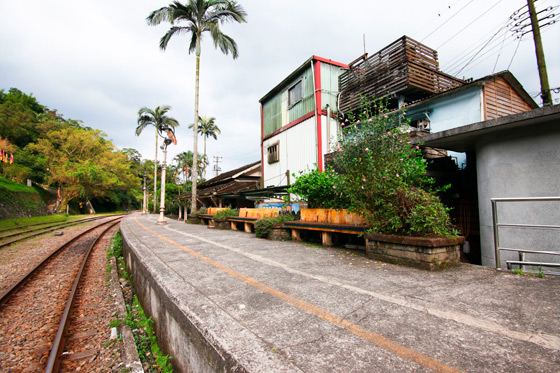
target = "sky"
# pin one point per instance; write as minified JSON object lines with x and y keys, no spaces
{"x":98,"y":61}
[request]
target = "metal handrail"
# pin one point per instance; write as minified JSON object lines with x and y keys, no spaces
{"x":497,"y":247}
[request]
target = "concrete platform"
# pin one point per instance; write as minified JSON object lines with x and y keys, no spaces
{"x":227,"y":301}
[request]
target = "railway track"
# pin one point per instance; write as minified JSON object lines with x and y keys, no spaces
{"x":37,"y":231}
{"x":36,"y":310}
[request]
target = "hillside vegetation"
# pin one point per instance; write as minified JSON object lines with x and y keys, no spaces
{"x":79,"y":163}
{"x":18,"y":201}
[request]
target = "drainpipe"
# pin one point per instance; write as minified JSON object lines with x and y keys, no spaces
{"x":328,"y":127}
{"x":315,"y":111}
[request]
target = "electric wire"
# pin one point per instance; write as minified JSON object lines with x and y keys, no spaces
{"x":469,"y":51}
{"x":468,"y":25}
{"x":519,"y":17}
{"x":481,"y":58}
{"x":514,"y":53}
{"x":431,"y":21}
{"x":499,"y":53}
{"x":449,"y":19}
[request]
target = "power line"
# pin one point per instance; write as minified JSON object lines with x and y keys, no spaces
{"x":431,"y":21}
{"x":514,"y":53}
{"x":449,"y":19}
{"x":473,"y":21}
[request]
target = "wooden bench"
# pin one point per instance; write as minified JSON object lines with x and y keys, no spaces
{"x":326,"y":229}
{"x":248,"y":217}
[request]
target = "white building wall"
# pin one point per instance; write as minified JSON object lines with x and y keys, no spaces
{"x":297,"y":152}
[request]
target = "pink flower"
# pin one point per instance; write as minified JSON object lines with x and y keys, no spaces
{"x":384,"y":177}
{"x":365,"y":140}
{"x":400,"y":141}
{"x":417,"y":147}
{"x":398,"y":175}
{"x":334,"y":186}
{"x":386,"y":116}
{"x":364,"y":179}
{"x":369,"y":120}
{"x":367,"y":149}
{"x":346,"y":120}
{"x":358,"y":121}
{"x":389,"y":133}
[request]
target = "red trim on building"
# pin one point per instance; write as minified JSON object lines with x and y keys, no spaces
{"x":318,"y":106}
{"x":288,"y":126}
{"x":262,"y":146}
{"x":330,"y":62}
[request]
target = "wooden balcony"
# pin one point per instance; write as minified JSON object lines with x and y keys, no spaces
{"x":405,"y":68}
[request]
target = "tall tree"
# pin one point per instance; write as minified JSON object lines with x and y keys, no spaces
{"x":185,"y":161}
{"x":157,"y":118}
{"x":84,"y":164}
{"x":200,"y":16}
{"x":207,"y":127}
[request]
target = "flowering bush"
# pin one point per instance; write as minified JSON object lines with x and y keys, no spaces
{"x":378,"y":175}
{"x":385,"y":177}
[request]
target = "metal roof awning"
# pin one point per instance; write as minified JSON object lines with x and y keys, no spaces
{"x":256,"y":194}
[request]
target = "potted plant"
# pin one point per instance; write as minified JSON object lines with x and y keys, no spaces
{"x":193,"y":218}
{"x":272,"y":228}
{"x":220,"y":218}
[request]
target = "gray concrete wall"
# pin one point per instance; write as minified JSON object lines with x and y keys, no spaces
{"x":521,"y":162}
{"x":190,"y":346}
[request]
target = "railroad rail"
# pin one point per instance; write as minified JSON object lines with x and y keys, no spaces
{"x":39,"y":231}
{"x":46,"y":271}
{"x":55,"y":355}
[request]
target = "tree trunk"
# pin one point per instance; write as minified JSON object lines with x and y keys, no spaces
{"x":155,"y":176}
{"x":205,"y":160}
{"x":195,"y":128}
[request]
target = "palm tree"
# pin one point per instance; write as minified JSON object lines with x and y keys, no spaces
{"x":200,"y":16}
{"x":156,"y":118}
{"x":187,"y":159}
{"x":207,"y":127}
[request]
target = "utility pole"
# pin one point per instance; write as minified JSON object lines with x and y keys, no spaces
{"x":545,"y":87}
{"x":216,"y":166}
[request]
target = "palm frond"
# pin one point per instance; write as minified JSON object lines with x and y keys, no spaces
{"x":170,"y":33}
{"x":158,"y":16}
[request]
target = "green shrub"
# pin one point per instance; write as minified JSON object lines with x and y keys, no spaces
{"x":264,"y":225}
{"x":202,"y":211}
{"x":320,"y":189}
{"x":224,"y":214}
{"x":376,"y":173}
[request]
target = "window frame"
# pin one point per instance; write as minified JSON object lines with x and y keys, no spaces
{"x":300,"y":83}
{"x":273,"y":152}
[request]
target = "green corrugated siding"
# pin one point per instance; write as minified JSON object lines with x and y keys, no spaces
{"x":272,"y":109}
{"x":306,"y":105}
{"x":272,"y":114}
{"x":329,"y":84}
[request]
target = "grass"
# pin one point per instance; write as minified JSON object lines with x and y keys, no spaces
{"x":22,"y":222}
{"x":15,"y":187}
{"x":136,"y":319}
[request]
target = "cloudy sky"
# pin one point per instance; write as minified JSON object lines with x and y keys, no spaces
{"x":98,"y":60}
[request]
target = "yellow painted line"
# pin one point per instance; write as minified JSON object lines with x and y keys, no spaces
{"x":368,"y":335}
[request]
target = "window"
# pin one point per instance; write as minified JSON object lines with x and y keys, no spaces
{"x":272,"y":152}
{"x":295,"y":94}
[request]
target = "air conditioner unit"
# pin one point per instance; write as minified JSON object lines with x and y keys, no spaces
{"x":423,"y":124}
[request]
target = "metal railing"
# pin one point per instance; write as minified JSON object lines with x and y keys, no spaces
{"x":521,"y":262}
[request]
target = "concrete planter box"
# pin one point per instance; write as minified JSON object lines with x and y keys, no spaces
{"x":421,"y":252}
{"x":193,"y":219}
{"x":221,"y":224}
{"x":279,"y":233}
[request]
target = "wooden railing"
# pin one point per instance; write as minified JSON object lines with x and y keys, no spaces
{"x":404,"y":67}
